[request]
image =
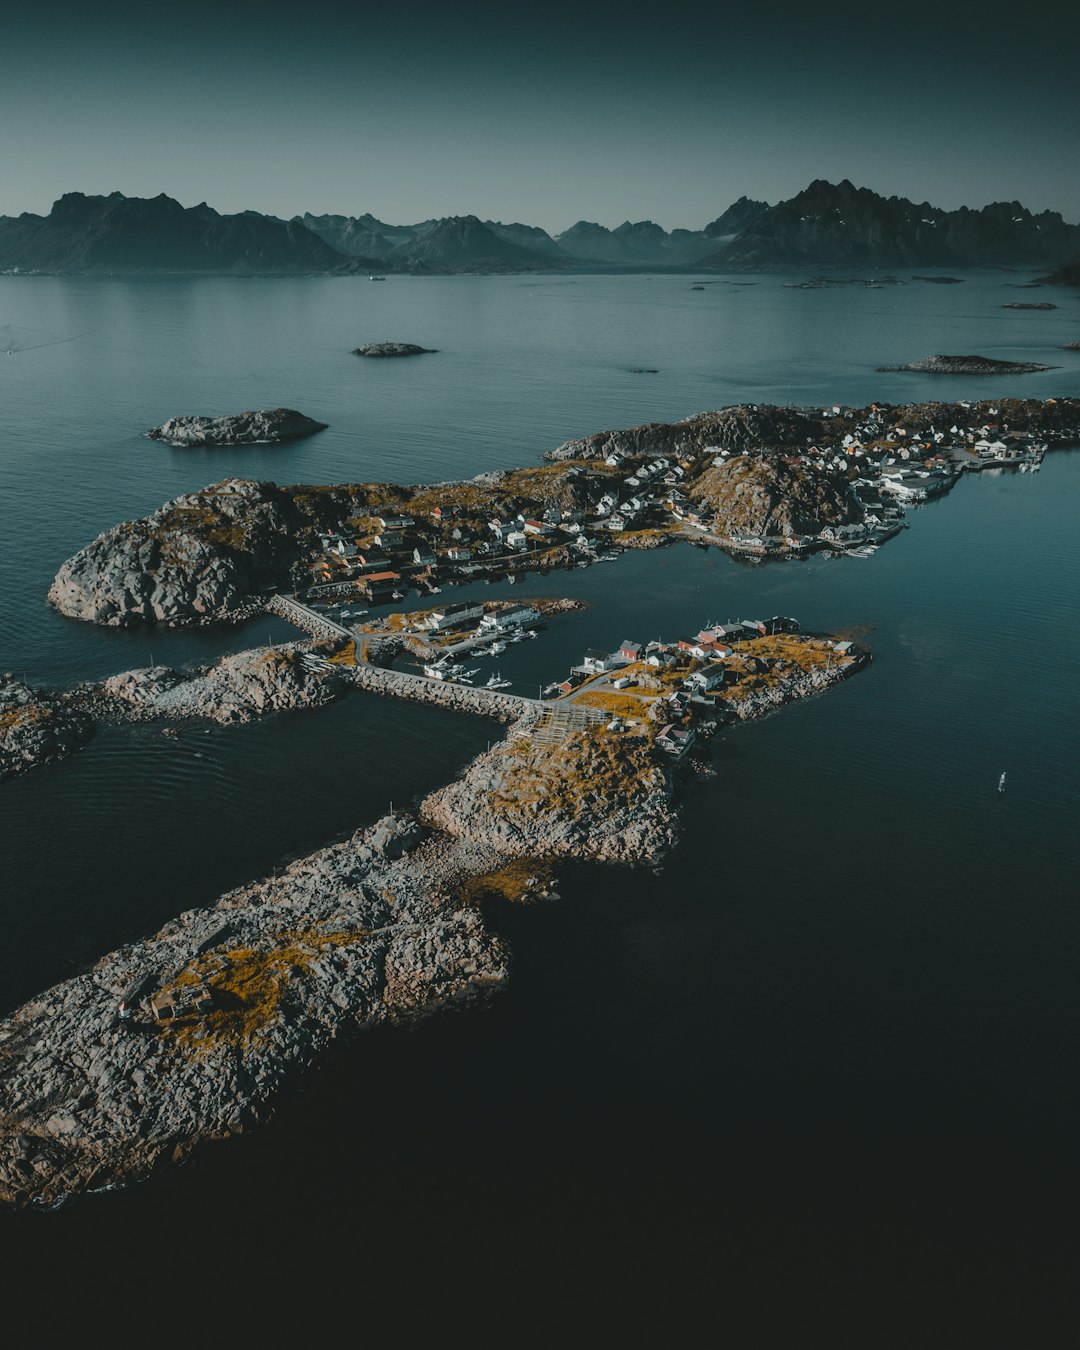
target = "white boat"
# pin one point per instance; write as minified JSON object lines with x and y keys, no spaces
{"x":1001,"y":783}
{"x":497,"y":647}
{"x":376,"y":278}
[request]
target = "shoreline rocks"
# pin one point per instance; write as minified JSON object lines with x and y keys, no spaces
{"x":269,"y":427}
{"x":257,"y":682}
{"x":37,"y":728}
{"x":393,"y":349}
{"x":970,"y":365}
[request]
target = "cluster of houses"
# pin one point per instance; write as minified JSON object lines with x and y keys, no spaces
{"x":451,"y":543}
{"x":697,"y":663}
{"x":887,"y":467}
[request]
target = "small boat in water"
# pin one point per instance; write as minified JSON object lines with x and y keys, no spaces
{"x":1001,"y":783}
{"x":376,"y":278}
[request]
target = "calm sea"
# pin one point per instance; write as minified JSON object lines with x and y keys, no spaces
{"x":828,"y":1052}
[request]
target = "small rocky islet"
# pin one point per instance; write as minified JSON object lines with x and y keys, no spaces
{"x":270,"y":426}
{"x":378,"y":349}
{"x":970,"y":365}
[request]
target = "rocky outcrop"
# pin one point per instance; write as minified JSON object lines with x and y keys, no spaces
{"x":255,"y":683}
{"x":1071,"y":347}
{"x":250,"y":993}
{"x":200,"y":558}
{"x":393,"y":349}
{"x":269,"y":427}
{"x":36,"y":728}
{"x":735,"y":428}
{"x":763,"y":496}
{"x":970,"y":365}
{"x":596,"y":794}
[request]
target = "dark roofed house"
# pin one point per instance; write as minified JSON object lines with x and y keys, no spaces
{"x":675,"y":741}
{"x":630,"y":651}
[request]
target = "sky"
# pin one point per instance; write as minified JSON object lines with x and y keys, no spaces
{"x":545,"y":114}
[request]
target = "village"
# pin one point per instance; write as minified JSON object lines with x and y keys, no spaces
{"x":668,"y":690}
{"x":536,"y":520}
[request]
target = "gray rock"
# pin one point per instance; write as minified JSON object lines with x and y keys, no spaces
{"x":269,"y":427}
{"x":393,"y":349}
{"x":37,"y":728}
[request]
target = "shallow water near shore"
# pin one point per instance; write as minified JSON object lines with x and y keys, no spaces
{"x":841,"y":1021}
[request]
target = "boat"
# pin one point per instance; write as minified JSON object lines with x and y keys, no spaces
{"x":497,"y":647}
{"x":1001,"y":783}
{"x":397,"y":595}
{"x":376,"y":278}
{"x":529,"y":633}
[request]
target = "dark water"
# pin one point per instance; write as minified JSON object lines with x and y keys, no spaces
{"x":817,"y":1074}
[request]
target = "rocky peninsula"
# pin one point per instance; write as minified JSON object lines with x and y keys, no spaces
{"x":269,"y":427}
{"x":393,"y":349}
{"x":970,"y":365}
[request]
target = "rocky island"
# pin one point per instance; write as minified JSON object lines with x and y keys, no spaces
{"x":970,"y":365}
{"x":1029,"y":304}
{"x":393,"y":349}
{"x":270,"y":427}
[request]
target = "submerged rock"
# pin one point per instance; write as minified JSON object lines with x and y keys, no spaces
{"x":393,"y":349}
{"x":36,"y":728}
{"x":971,"y":365}
{"x":269,"y":427}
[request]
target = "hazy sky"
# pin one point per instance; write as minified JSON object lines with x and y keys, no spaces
{"x":542,"y":113}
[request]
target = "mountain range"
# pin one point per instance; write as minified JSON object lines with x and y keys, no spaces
{"x":826,"y":225}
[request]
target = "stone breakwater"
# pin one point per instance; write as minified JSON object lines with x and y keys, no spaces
{"x":358,"y":935}
{"x":37,"y":728}
{"x":463,"y":698}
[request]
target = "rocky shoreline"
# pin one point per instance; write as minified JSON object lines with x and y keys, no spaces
{"x":37,"y":728}
{"x":356,"y":936}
